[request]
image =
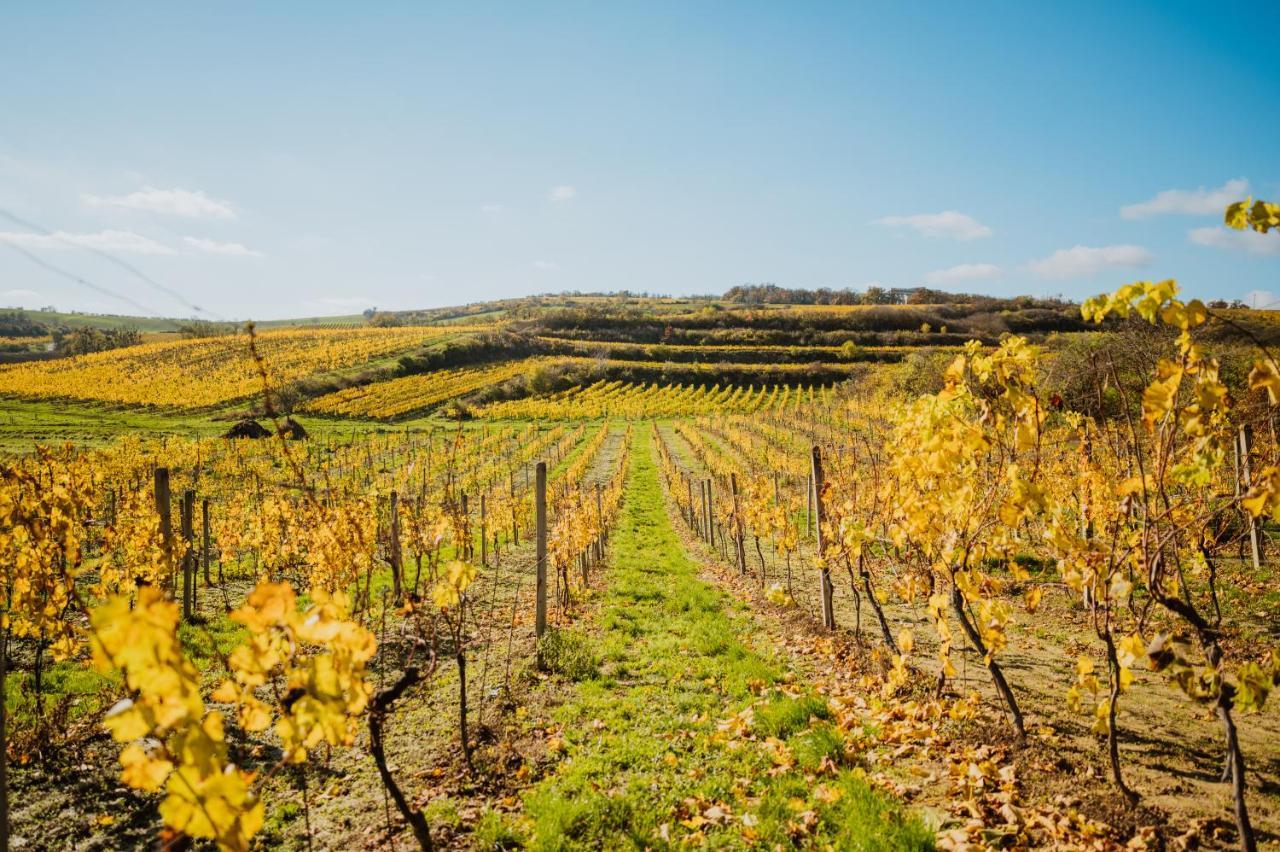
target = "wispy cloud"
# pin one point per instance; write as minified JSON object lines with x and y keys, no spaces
{"x":1248,"y":242}
{"x":1189,"y":202}
{"x":963,"y":272}
{"x":492,"y":209}
{"x":949,"y":223}
{"x":124,"y":242}
{"x":169,"y":202}
{"x":1082,"y":261}
{"x":545,"y":265}
{"x":560,"y":194}
{"x":212,"y":247}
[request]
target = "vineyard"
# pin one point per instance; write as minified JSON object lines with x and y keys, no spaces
{"x":617,"y":398}
{"x":205,"y":372}
{"x":497,"y":595}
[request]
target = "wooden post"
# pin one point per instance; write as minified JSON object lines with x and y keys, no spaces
{"x":599,"y":525}
{"x":737,"y":526}
{"x":706,"y":527}
{"x":1255,"y":542}
{"x":515,"y":528}
{"x":540,"y":550}
{"x":711,"y":512}
{"x":826,"y":590}
{"x":688,"y":481}
{"x":395,"y":546}
{"x":484,"y":541}
{"x":204,"y":540}
{"x":468,"y":547}
{"x":189,"y":553}
{"x":165,"y":512}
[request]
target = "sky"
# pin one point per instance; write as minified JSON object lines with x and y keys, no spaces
{"x":298,"y":159}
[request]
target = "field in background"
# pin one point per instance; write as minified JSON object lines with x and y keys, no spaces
{"x":694,"y":424}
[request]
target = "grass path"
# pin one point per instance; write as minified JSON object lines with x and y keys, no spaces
{"x":680,"y":733}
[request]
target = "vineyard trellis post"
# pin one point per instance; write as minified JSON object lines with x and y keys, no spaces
{"x":484,"y":541}
{"x":599,"y":526}
{"x":827,"y":590}
{"x":395,"y":545}
{"x":1244,"y":440}
{"x":467,"y":546}
{"x":187,"y":509}
{"x":165,"y":513}
{"x":540,"y":550}
{"x":737,"y":526}
{"x":688,"y":482}
{"x":706,"y":511}
{"x":711,"y":514}
{"x":515,"y":526}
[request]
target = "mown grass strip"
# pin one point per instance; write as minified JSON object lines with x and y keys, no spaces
{"x":646,"y":764}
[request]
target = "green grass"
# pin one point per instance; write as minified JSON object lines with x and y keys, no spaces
{"x":643,"y":752}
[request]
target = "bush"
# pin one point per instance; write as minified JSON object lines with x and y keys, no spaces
{"x":83,"y":341}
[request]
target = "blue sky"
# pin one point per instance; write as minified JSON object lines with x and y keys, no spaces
{"x":296,"y":159}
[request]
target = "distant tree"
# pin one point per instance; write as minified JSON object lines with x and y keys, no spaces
{"x":83,"y":341}
{"x":18,"y":324}
{"x":877,"y":296}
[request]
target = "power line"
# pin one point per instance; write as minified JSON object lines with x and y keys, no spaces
{"x":83,"y":282}
{"x":125,"y":265}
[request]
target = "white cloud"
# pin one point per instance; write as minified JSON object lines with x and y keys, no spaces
{"x":545,"y":265}
{"x":1249,"y":242}
{"x":1081,"y":261}
{"x":212,"y":247}
{"x":963,"y":272}
{"x":170,"y":202}
{"x":561,"y":193}
{"x":125,"y":242}
{"x":492,"y":208}
{"x":1190,"y":202}
{"x":949,"y":223}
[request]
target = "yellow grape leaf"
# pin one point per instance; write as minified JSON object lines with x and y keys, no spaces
{"x":1266,"y":376}
{"x":267,"y":605}
{"x":1130,"y":649}
{"x":1237,"y":215}
{"x":141,"y":770}
{"x":1033,"y":597}
{"x":1160,"y":396}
